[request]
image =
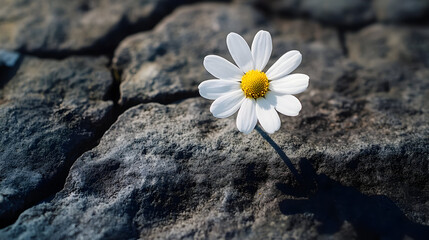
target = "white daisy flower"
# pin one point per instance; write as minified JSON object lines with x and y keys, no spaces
{"x":246,"y":88}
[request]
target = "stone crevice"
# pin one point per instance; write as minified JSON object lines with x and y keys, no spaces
{"x":116,"y":111}
{"x":108,"y":137}
{"x":342,"y":41}
{"x":88,"y":120}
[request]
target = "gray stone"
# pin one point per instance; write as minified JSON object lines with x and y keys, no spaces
{"x":166,"y":64}
{"x":176,"y":172}
{"x":383,"y":44}
{"x":350,"y":13}
{"x":50,"y":112}
{"x":338,"y":12}
{"x":8,"y":58}
{"x":401,"y":11}
{"x":353,"y":165}
{"x":63,"y":27}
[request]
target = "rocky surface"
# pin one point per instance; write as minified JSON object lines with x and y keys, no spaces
{"x":64,"y":27}
{"x":381,"y":45}
{"x":174,"y":172}
{"x":8,"y":58}
{"x":401,"y":11}
{"x":163,"y":66}
{"x":348,"y":14}
{"x":340,"y":13}
{"x":353,"y":165}
{"x":50,"y":112}
{"x":337,"y":12}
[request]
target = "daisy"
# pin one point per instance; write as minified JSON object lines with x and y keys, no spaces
{"x":247,"y":88}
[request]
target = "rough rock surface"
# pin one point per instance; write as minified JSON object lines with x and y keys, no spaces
{"x":8,"y":58}
{"x":163,"y":65}
{"x":401,"y":11}
{"x":62,"y":27}
{"x":350,"y":13}
{"x":50,"y":111}
{"x":338,"y":12}
{"x":381,"y":44}
{"x":353,"y":165}
{"x":174,"y":171}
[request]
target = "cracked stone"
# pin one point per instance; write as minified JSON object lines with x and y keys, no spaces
{"x":357,"y":153}
{"x":166,"y":64}
{"x":50,"y":111}
{"x":383,"y":44}
{"x":176,"y":172}
{"x":350,"y":13}
{"x":401,"y":11}
{"x":63,"y":27}
{"x":8,"y":58}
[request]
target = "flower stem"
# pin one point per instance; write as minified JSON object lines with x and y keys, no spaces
{"x":281,"y":153}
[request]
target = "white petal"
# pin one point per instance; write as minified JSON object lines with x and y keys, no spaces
{"x":227,"y":104}
{"x":291,"y":84}
{"x":240,"y":51}
{"x":246,"y":117}
{"x":267,"y":115}
{"x":212,"y":89}
{"x":285,"y":104}
{"x":222,"y":68}
{"x":261,"y":49}
{"x":285,"y":65}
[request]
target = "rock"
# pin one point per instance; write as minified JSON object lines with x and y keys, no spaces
{"x":351,"y":13}
{"x":166,"y":64}
{"x":63,"y":27}
{"x":176,"y":172}
{"x":353,"y":165}
{"x":51,"y":113}
{"x":283,"y":7}
{"x":381,"y":44}
{"x":8,"y":58}
{"x":347,"y":14}
{"x":401,"y":11}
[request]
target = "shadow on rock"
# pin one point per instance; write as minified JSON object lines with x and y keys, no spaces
{"x":373,"y":217}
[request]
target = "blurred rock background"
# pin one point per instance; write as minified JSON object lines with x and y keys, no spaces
{"x":104,"y":135}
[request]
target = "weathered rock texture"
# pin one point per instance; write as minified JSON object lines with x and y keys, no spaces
{"x":175,"y":172}
{"x":350,"y":13}
{"x":401,"y":11}
{"x":164,"y":65}
{"x":63,"y":27}
{"x":381,"y":44}
{"x":8,"y":58}
{"x":50,"y":113}
{"x":353,"y":165}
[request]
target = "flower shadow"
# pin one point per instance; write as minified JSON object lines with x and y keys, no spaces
{"x":373,"y":217}
{"x":332,"y":204}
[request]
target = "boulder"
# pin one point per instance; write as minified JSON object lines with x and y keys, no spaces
{"x":384,"y":44}
{"x":52,"y":112}
{"x":59,"y":28}
{"x":176,"y":172}
{"x":353,"y":165}
{"x":165,"y":65}
{"x":339,"y":13}
{"x":401,"y":11}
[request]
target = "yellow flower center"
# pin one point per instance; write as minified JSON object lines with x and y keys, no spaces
{"x":254,"y":84}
